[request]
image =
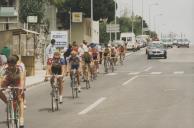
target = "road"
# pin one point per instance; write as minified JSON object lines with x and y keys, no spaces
{"x":142,"y":93}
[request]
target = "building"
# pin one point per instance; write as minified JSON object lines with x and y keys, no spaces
{"x":9,"y":17}
{"x":82,"y":31}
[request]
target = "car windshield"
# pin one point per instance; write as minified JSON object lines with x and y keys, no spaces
{"x":156,"y":46}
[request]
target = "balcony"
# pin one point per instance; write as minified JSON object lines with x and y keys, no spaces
{"x":8,"y":12}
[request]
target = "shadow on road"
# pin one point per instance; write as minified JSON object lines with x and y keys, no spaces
{"x":45,"y":110}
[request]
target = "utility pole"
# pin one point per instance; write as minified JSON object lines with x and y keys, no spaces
{"x":132,"y":18}
{"x":115,"y":18}
{"x":92,"y":13}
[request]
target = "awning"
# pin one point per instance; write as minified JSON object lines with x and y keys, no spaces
{"x":21,"y":31}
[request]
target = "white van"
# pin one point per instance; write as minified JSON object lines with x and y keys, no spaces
{"x":129,"y":39}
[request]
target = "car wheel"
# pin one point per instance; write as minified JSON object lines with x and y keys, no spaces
{"x":165,"y":56}
{"x":149,"y":57}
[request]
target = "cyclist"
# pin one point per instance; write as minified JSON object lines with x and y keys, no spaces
{"x":58,"y":68}
{"x":13,"y":76}
{"x":86,"y":60}
{"x":75,"y":46}
{"x":49,"y":55}
{"x":121,"y":52}
{"x":66,"y":55}
{"x":106,"y":56}
{"x":23,"y":69}
{"x":95,"y":56}
{"x":74,"y":63}
{"x":113,"y":55}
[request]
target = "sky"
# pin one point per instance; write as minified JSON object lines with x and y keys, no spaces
{"x":175,"y":16}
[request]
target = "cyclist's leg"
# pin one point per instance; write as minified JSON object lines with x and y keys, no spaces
{"x":2,"y":95}
{"x":60,"y":84}
{"x":48,"y":69}
{"x":21,"y":107}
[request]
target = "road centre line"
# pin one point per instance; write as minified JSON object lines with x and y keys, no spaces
{"x":89,"y":108}
{"x":156,"y":73}
{"x":147,"y":69}
{"x":134,"y":73}
{"x":130,"y":80}
{"x":179,"y":72}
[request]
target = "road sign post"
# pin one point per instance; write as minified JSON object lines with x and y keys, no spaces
{"x":112,"y":28}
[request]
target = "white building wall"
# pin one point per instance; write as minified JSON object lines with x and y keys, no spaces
{"x":96,"y":32}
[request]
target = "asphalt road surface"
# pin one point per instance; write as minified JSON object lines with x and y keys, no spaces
{"x":157,"y":93}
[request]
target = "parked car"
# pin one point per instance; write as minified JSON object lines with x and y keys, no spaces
{"x":157,"y":50}
{"x":183,"y":43}
{"x":167,"y":43}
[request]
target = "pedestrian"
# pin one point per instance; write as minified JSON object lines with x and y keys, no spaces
{"x":6,"y":51}
{"x":50,"y":50}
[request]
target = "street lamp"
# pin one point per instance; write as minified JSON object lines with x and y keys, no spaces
{"x":150,"y":6}
{"x":92,"y":13}
{"x":142,"y":17}
{"x":115,"y":18}
{"x":132,"y":18}
{"x":155,"y":20}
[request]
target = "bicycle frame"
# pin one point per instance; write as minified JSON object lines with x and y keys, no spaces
{"x":12,"y":107}
{"x":73,"y":83}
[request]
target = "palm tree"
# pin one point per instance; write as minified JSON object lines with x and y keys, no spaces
{"x":57,"y":2}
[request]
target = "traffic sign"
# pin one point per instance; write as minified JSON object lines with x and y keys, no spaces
{"x":111,"y":28}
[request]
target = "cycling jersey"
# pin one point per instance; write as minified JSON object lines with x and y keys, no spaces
{"x":74,"y":62}
{"x":56,"y":66}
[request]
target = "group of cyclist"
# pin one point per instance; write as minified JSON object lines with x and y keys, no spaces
{"x":75,"y":57}
{"x":79,"y":57}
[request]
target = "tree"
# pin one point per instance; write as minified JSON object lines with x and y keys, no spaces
{"x":6,"y":2}
{"x":104,"y":36}
{"x":103,"y":9}
{"x":31,"y":8}
{"x":57,"y":3}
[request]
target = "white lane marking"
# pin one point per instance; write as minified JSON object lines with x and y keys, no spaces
{"x":89,"y":108}
{"x":170,"y":89}
{"x":156,"y":73}
{"x":147,"y":69}
{"x":179,"y":72}
{"x":134,"y":73}
{"x":111,"y":74}
{"x":130,"y":80}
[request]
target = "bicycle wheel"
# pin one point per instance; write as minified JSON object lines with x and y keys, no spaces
{"x":87,"y":80}
{"x":87,"y":84}
{"x":16,"y":115}
{"x":73,"y":86}
{"x":53,"y":100}
{"x":105,"y":66}
{"x":112,"y":66}
{"x":57,"y":98}
{"x":10,"y":115}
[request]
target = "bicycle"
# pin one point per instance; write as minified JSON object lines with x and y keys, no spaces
{"x":121,"y":58}
{"x":55,"y":92}
{"x":94,"y":70}
{"x":74,"y":83}
{"x":13,"y":109}
{"x":86,"y":75}
{"x":106,"y":64}
{"x":112,"y":59}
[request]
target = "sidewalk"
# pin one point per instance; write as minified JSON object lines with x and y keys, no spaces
{"x":36,"y":79}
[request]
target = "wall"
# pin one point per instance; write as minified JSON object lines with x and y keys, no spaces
{"x":82,"y":31}
{"x":5,"y":39}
